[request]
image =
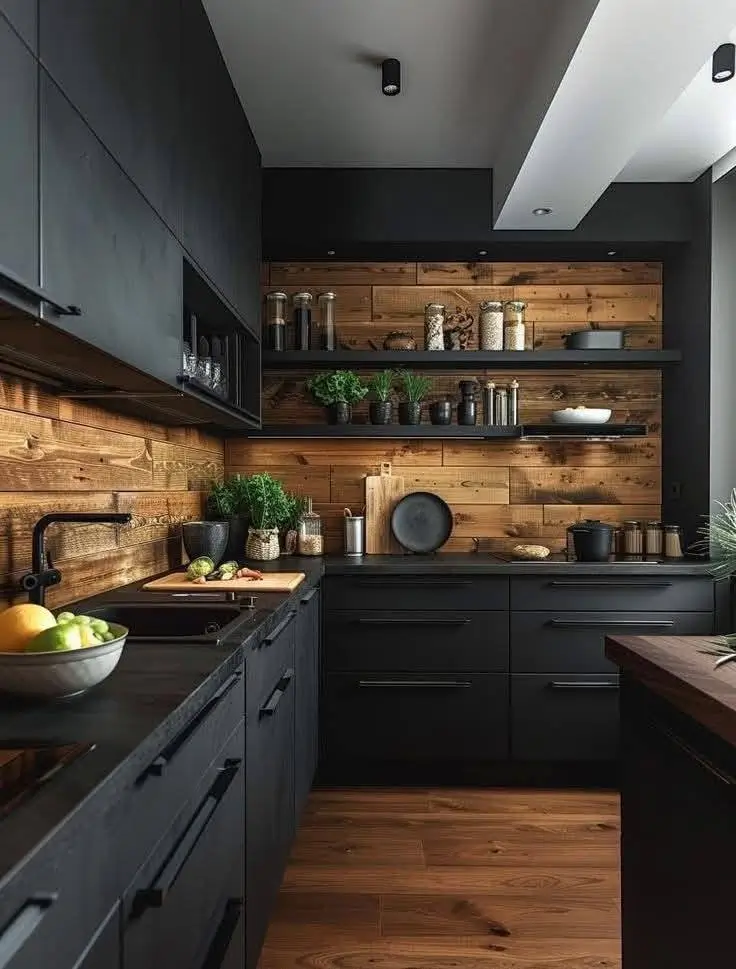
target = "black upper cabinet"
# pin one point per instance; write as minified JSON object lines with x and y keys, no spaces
{"x":19,"y":155}
{"x":118,"y":62}
{"x":221,"y":171}
{"x":104,"y":248}
{"x":23,"y":15}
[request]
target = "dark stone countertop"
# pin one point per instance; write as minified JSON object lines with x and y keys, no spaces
{"x":130,"y":717}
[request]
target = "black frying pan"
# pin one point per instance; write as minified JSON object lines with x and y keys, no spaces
{"x":421,"y":522}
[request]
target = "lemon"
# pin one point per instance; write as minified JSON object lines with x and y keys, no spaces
{"x":20,"y":624}
{"x":56,"y":639}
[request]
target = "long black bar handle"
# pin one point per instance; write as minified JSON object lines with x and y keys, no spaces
{"x":583,"y":685}
{"x":167,"y":755}
{"x":28,"y":291}
{"x":269,"y":707}
{"x":412,"y":684}
{"x":275,"y":633}
{"x":412,"y":622}
{"x":609,"y":623}
{"x":308,"y":596}
{"x":22,"y":926}
{"x":691,"y":752}
{"x":425,"y":583}
{"x":156,"y":894}
{"x":606,"y":584}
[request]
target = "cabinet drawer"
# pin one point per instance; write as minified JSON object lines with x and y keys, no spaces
{"x":267,"y":660}
{"x":564,"y":717}
{"x":417,"y":592}
{"x":163,"y":787}
{"x":172,"y":909}
{"x":385,"y":717}
{"x":654,"y":593}
{"x":418,"y":641}
{"x":574,"y":642}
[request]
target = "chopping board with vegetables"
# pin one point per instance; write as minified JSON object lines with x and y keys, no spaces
{"x":202,"y":576}
{"x":382,"y":491}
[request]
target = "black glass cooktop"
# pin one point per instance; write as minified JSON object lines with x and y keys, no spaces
{"x":26,"y":767}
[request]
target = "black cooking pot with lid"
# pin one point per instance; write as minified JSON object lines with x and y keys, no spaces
{"x":591,"y":540}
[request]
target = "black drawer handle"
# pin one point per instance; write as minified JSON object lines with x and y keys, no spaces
{"x":27,"y":291}
{"x":22,"y":926}
{"x":169,"y":752}
{"x":218,"y":956}
{"x":412,"y":684}
{"x":412,"y":622}
{"x":156,"y":894}
{"x":269,"y":707}
{"x":275,"y":633}
{"x":608,"y":623}
{"x":607,"y":584}
{"x":699,"y":758}
{"x":308,"y":596}
{"x":582,"y":685}
{"x":401,"y":583}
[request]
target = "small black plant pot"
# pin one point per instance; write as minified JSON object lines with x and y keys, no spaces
{"x":440,"y":412}
{"x":410,"y":412}
{"x":381,"y":411}
{"x":339,"y":413}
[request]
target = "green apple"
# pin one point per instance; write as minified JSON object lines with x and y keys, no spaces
{"x":56,"y":639}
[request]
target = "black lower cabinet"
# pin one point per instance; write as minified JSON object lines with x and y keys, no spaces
{"x":174,"y":908}
{"x":459,"y":717}
{"x":564,"y":717}
{"x":678,"y":845}
{"x":105,"y":951}
{"x":307,"y":690}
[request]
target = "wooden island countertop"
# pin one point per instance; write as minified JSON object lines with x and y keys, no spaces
{"x":674,"y":668}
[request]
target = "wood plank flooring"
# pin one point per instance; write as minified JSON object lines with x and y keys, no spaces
{"x":451,"y":879}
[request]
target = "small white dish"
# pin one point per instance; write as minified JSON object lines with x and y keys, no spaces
{"x":582,"y":415}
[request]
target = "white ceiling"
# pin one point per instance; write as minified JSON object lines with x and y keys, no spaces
{"x":306,"y":74}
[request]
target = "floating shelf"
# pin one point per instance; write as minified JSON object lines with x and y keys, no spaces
{"x":471,"y":359}
{"x":452,"y":431}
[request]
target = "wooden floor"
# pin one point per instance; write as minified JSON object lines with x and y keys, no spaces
{"x":451,"y":879}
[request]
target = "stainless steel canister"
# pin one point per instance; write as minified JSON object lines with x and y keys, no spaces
{"x":354,"y":526}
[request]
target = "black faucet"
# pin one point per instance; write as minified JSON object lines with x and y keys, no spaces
{"x":39,"y":578}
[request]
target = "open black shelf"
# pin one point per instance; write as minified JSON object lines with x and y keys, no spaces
{"x":470,"y":359}
{"x":450,"y":431}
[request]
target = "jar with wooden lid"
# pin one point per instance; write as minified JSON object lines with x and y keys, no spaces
{"x":434,"y":326}
{"x":673,"y":542}
{"x":633,"y":538}
{"x":490,"y":325}
{"x":514,"y":327}
{"x":310,"y":540}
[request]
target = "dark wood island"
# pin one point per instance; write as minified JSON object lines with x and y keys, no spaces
{"x":678,"y":802}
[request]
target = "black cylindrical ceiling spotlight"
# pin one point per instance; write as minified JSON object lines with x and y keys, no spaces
{"x":724,"y":63}
{"x":391,"y":77}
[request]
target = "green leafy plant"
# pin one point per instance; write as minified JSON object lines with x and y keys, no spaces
{"x":337,"y":387}
{"x":296,"y":505}
{"x":268,"y":505}
{"x":415,"y":386}
{"x":227,"y":499}
{"x":719,"y":539}
{"x":382,"y":384}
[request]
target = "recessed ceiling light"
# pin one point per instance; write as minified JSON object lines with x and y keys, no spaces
{"x":330,"y":252}
{"x":724,"y":63}
{"x":542,"y":210}
{"x":482,"y":252}
{"x":612,"y":252}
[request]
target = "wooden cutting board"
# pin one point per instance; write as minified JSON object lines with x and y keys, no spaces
{"x":271,"y":582}
{"x":382,"y":491}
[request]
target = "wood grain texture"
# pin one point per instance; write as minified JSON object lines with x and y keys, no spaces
{"x":331,"y":274}
{"x":382,"y":491}
{"x":63,"y":455}
{"x":353,"y":303}
{"x":585,"y":486}
{"x":477,"y":879}
{"x":539,"y":273}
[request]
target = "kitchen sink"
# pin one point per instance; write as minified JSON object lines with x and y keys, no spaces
{"x":175,"y":622}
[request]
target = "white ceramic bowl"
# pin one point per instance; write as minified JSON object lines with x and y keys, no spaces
{"x":582,"y":415}
{"x":63,"y":672}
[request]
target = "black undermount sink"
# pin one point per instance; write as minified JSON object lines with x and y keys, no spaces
{"x":174,"y":621}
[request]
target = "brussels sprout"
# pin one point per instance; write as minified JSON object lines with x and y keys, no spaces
{"x":107,"y":637}
{"x":99,"y":626}
{"x":231,"y":566}
{"x":64,"y":617}
{"x":83,"y":620}
{"x":200,"y":567}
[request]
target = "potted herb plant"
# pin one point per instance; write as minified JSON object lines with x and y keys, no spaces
{"x":337,"y":390}
{"x":227,"y":501}
{"x":295,"y":507}
{"x":268,"y":510}
{"x":415,"y":388}
{"x":381,"y":410}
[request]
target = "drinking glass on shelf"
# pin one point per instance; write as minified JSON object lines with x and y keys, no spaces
{"x":189,"y":361}
{"x":204,"y":370}
{"x":217,"y":377}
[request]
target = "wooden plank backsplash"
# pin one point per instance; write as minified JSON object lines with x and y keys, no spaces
{"x":505,"y":491}
{"x":62,"y":455}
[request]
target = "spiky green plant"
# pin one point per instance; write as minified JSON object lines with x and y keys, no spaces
{"x":719,"y":538}
{"x":415,"y":385}
{"x":382,"y":384}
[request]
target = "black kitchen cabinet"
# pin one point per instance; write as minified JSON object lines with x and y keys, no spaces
{"x":23,"y":15}
{"x":221,"y":171}
{"x":306,"y":733}
{"x":119,"y":64}
{"x":678,"y":841}
{"x":104,"y":248}
{"x":19,"y":155}
{"x":105,"y":951}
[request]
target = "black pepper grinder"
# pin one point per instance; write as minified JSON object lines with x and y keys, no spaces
{"x":302,"y":321}
{"x":467,"y":409}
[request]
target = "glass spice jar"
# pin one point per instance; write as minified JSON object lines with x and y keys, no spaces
{"x":633,"y":538}
{"x":434,"y":326}
{"x":653,"y":538}
{"x":490,"y":325}
{"x":276,"y":320}
{"x":302,"y":321}
{"x":673,"y":542}
{"x":514,"y":327}
{"x":327,"y":330}
{"x":310,"y":540}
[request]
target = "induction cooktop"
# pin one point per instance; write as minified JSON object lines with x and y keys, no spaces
{"x":26,"y":766}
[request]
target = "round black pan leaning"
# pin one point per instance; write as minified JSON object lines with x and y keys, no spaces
{"x":421,"y":522}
